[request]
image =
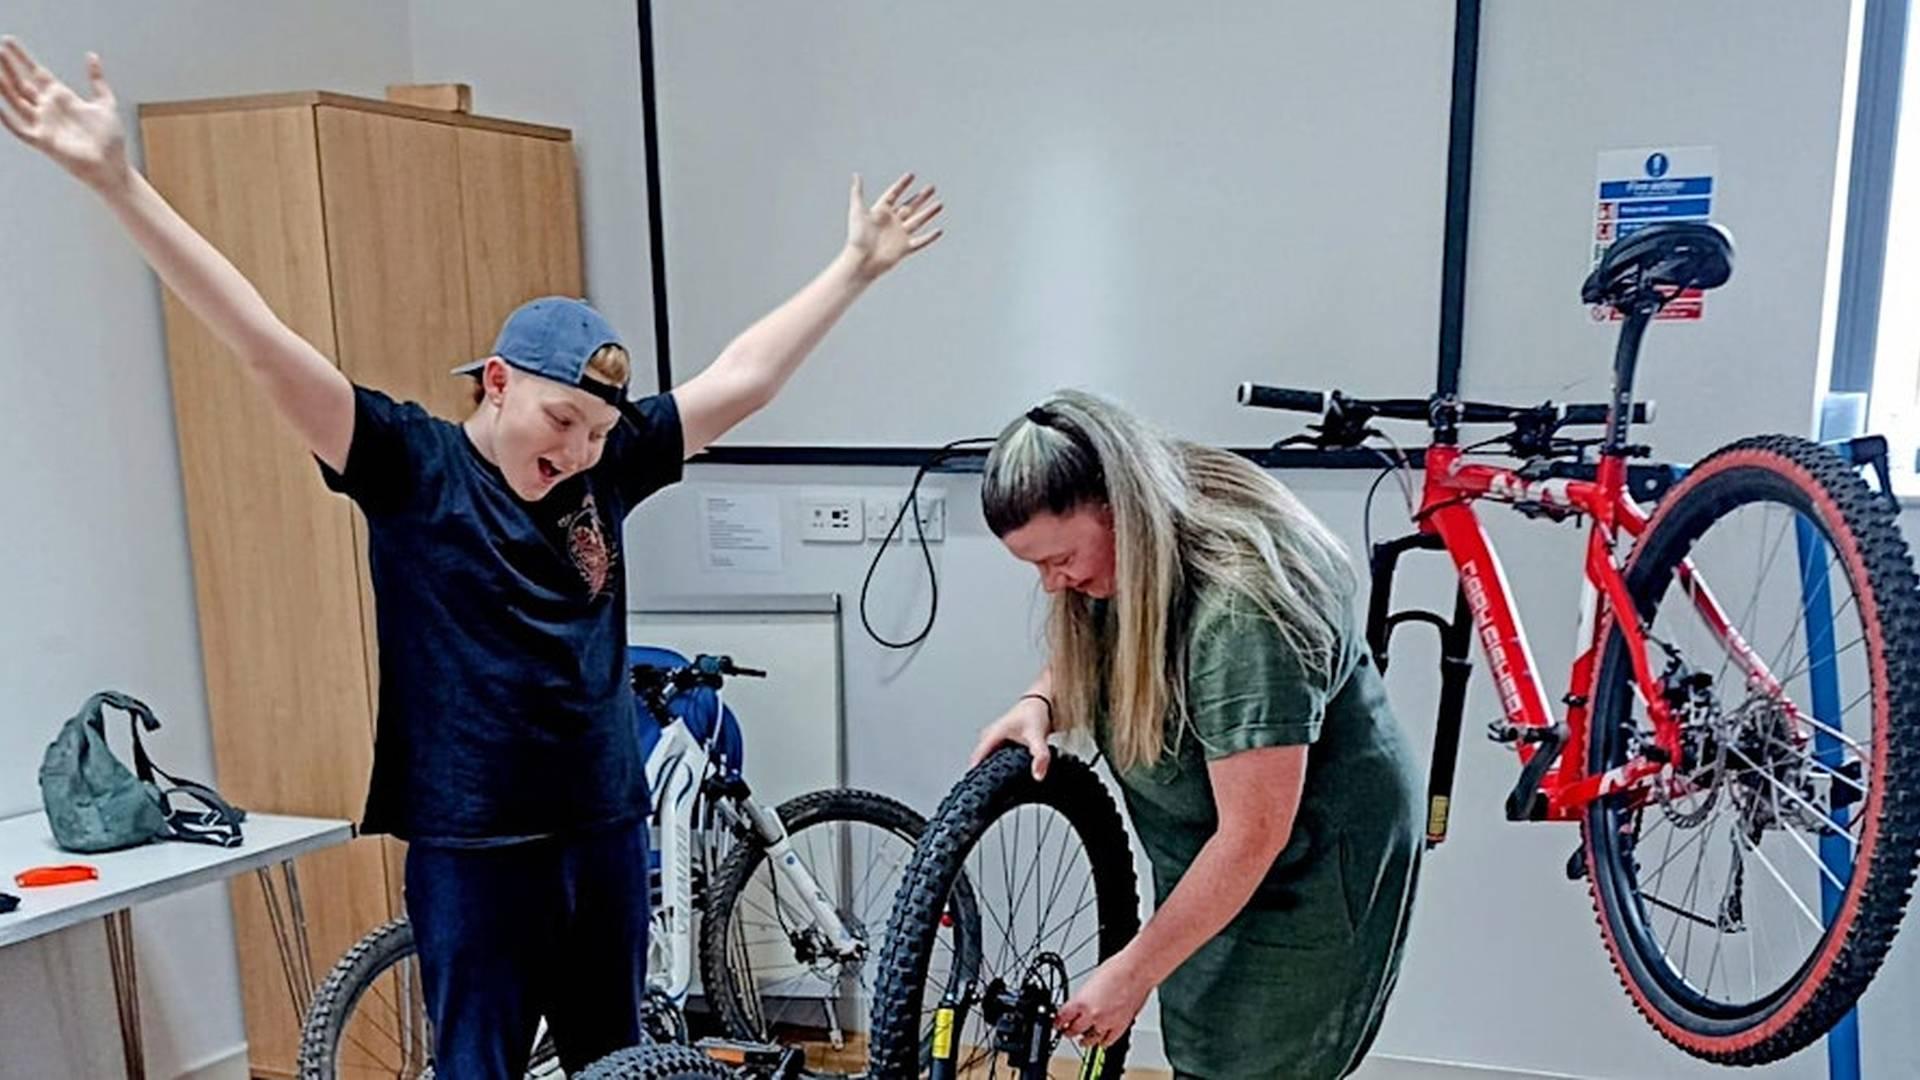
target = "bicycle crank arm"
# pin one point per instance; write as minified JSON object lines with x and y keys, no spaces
{"x":1526,"y":802}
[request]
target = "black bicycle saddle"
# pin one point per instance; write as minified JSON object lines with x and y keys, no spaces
{"x":1677,"y":254}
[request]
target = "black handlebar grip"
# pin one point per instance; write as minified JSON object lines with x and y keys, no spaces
{"x":1279,"y":397}
{"x":1643,"y":412}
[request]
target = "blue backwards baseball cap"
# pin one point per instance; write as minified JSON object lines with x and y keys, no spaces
{"x":554,"y":337}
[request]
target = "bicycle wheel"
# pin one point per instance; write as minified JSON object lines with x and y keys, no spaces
{"x":368,"y":1017}
{"x":655,"y":1063}
{"x":1750,"y":897}
{"x":768,"y":971}
{"x":1052,"y":874}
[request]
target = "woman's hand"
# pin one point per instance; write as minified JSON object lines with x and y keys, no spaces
{"x":1105,"y":1005}
{"x":1026,"y":724}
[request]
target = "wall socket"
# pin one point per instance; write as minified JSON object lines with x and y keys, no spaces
{"x":882,"y":510}
{"x":832,"y":520}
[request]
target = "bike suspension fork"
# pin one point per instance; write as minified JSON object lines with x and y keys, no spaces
{"x":809,"y":899}
{"x":1456,"y":665}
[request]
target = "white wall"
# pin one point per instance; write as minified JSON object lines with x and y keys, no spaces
{"x":1161,"y":203}
{"x":1760,"y":83}
{"x":574,"y":65}
{"x":93,"y":560}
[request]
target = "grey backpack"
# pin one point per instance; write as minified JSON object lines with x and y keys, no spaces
{"x":95,"y":804}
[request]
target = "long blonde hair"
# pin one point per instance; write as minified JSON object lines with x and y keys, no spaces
{"x":1186,"y":518}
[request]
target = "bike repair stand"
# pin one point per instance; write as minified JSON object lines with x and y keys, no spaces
{"x":1816,"y":599}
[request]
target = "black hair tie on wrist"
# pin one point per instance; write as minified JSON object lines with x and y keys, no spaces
{"x":1044,"y":700}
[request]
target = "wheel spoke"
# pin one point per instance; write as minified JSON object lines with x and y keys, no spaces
{"x":1753,"y":602}
{"x":1698,"y":834}
{"x":1754,"y":850}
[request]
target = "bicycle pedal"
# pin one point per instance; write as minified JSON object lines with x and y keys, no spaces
{"x":1502,"y":732}
{"x":741,"y":1051}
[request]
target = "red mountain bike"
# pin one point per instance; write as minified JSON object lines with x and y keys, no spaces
{"x":1743,"y":759}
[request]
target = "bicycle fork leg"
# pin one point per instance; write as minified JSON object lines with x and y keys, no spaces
{"x":1456,"y":665}
{"x":809,"y":900}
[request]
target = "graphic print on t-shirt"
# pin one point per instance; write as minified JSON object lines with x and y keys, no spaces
{"x":587,"y":544}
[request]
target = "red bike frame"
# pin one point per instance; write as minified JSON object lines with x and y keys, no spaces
{"x":1452,"y":486}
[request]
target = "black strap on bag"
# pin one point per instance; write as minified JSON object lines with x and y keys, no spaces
{"x":217,"y":823}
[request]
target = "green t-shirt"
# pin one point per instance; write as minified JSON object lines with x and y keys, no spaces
{"x":1296,"y":984}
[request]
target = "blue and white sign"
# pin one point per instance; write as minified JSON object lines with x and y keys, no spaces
{"x":1644,"y":186}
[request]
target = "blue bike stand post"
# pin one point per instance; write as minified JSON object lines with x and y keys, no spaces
{"x":1816,"y":598}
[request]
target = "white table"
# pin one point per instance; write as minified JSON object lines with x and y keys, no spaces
{"x":150,"y":871}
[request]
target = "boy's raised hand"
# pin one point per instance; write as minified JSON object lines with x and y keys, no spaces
{"x":82,"y":135}
{"x":882,"y":234}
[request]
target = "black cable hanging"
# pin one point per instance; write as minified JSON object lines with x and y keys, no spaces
{"x":911,"y":507}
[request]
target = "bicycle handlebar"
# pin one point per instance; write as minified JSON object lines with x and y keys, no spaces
{"x":1643,"y":413}
{"x":702,"y":670}
{"x":1277,"y":397}
{"x":1255,"y":395}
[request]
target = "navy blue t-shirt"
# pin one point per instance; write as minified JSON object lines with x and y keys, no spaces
{"x":504,"y":708}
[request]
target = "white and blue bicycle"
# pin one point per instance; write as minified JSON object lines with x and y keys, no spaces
{"x":783,"y":909}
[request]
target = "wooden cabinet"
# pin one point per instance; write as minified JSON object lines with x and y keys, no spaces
{"x":395,"y":239}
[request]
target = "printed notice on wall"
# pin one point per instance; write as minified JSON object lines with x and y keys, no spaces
{"x":1638,"y":188}
{"x":740,"y":531}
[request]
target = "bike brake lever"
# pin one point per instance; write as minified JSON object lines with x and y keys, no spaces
{"x":728,"y":667}
{"x":1319,"y":440}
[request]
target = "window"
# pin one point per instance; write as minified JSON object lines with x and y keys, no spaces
{"x":1877,"y":337}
